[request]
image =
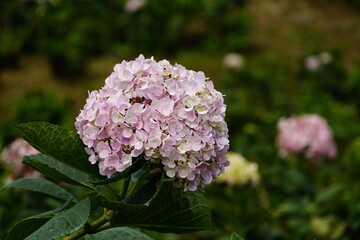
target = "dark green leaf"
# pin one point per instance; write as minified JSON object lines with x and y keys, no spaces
{"x":40,"y":185}
{"x":115,"y":205}
{"x":136,"y":176}
{"x":63,"y":223}
{"x":59,"y":143}
{"x":122,"y":233}
{"x":56,"y":170}
{"x":144,"y":194}
{"x":172,"y":210}
{"x":329,"y":193}
{"x":27,"y":226}
{"x":134,"y":202}
{"x":235,"y":236}
{"x":127,"y":172}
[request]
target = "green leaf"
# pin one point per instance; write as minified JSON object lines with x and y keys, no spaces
{"x":329,"y":193}
{"x":144,"y":194}
{"x":135,"y":166}
{"x":27,"y":226}
{"x":40,"y":185}
{"x":235,"y":236}
{"x":123,"y":233}
{"x":60,"y":143}
{"x":172,"y":210}
{"x":63,"y":223}
{"x":57,"y":170}
{"x":135,"y":202}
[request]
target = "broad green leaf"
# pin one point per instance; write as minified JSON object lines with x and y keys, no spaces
{"x":60,"y":143}
{"x":329,"y":193}
{"x":136,"y":176}
{"x":172,"y":210}
{"x":144,"y":194}
{"x":57,"y":170}
{"x":136,"y":165}
{"x":63,"y":223}
{"x":123,"y":233}
{"x":115,"y":205}
{"x":235,"y":236}
{"x":40,"y":185}
{"x":137,"y":201}
{"x":27,"y":226}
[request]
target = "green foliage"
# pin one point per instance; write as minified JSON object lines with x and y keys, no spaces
{"x":33,"y":105}
{"x":57,"y":170}
{"x":27,"y":226}
{"x":40,"y":185}
{"x":145,"y":200}
{"x":124,"y":233}
{"x":58,"y":142}
{"x":15,"y":17}
{"x":70,"y":34}
{"x":64,"y":222}
{"x":329,"y":193}
{"x":135,"y":202}
{"x":135,"y":166}
{"x":37,"y":105}
{"x":235,"y":236}
{"x":209,"y":25}
{"x":176,"y":211}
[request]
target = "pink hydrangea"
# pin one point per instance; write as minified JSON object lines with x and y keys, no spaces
{"x":307,"y":134}
{"x":315,"y":62}
{"x":12,"y":157}
{"x":312,"y":63}
{"x":172,"y":115}
{"x":134,"y":5}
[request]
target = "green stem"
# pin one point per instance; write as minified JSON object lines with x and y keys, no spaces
{"x":102,"y":228}
{"x":91,"y":227}
{"x":98,"y":224}
{"x":124,"y":189}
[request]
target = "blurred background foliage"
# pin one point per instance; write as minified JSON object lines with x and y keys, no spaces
{"x":53,"y":51}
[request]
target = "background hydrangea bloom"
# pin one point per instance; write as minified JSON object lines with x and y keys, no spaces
{"x":308,"y":134}
{"x":240,"y":171}
{"x":234,"y":61}
{"x":134,"y":5}
{"x":315,"y":62}
{"x":12,"y":157}
{"x":172,"y":115}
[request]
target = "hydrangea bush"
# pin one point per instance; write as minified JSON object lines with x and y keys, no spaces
{"x":145,"y":143}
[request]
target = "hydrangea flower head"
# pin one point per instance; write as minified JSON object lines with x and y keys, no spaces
{"x":12,"y":157}
{"x":234,"y":61}
{"x":315,"y":62}
{"x":134,"y":5}
{"x":240,"y":171}
{"x":169,"y":114}
{"x":307,"y":134}
{"x":312,"y":63}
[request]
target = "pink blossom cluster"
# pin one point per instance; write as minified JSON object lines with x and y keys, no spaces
{"x":307,"y":134}
{"x":12,"y":157}
{"x":172,"y":115}
{"x":315,"y":62}
{"x":134,"y":5}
